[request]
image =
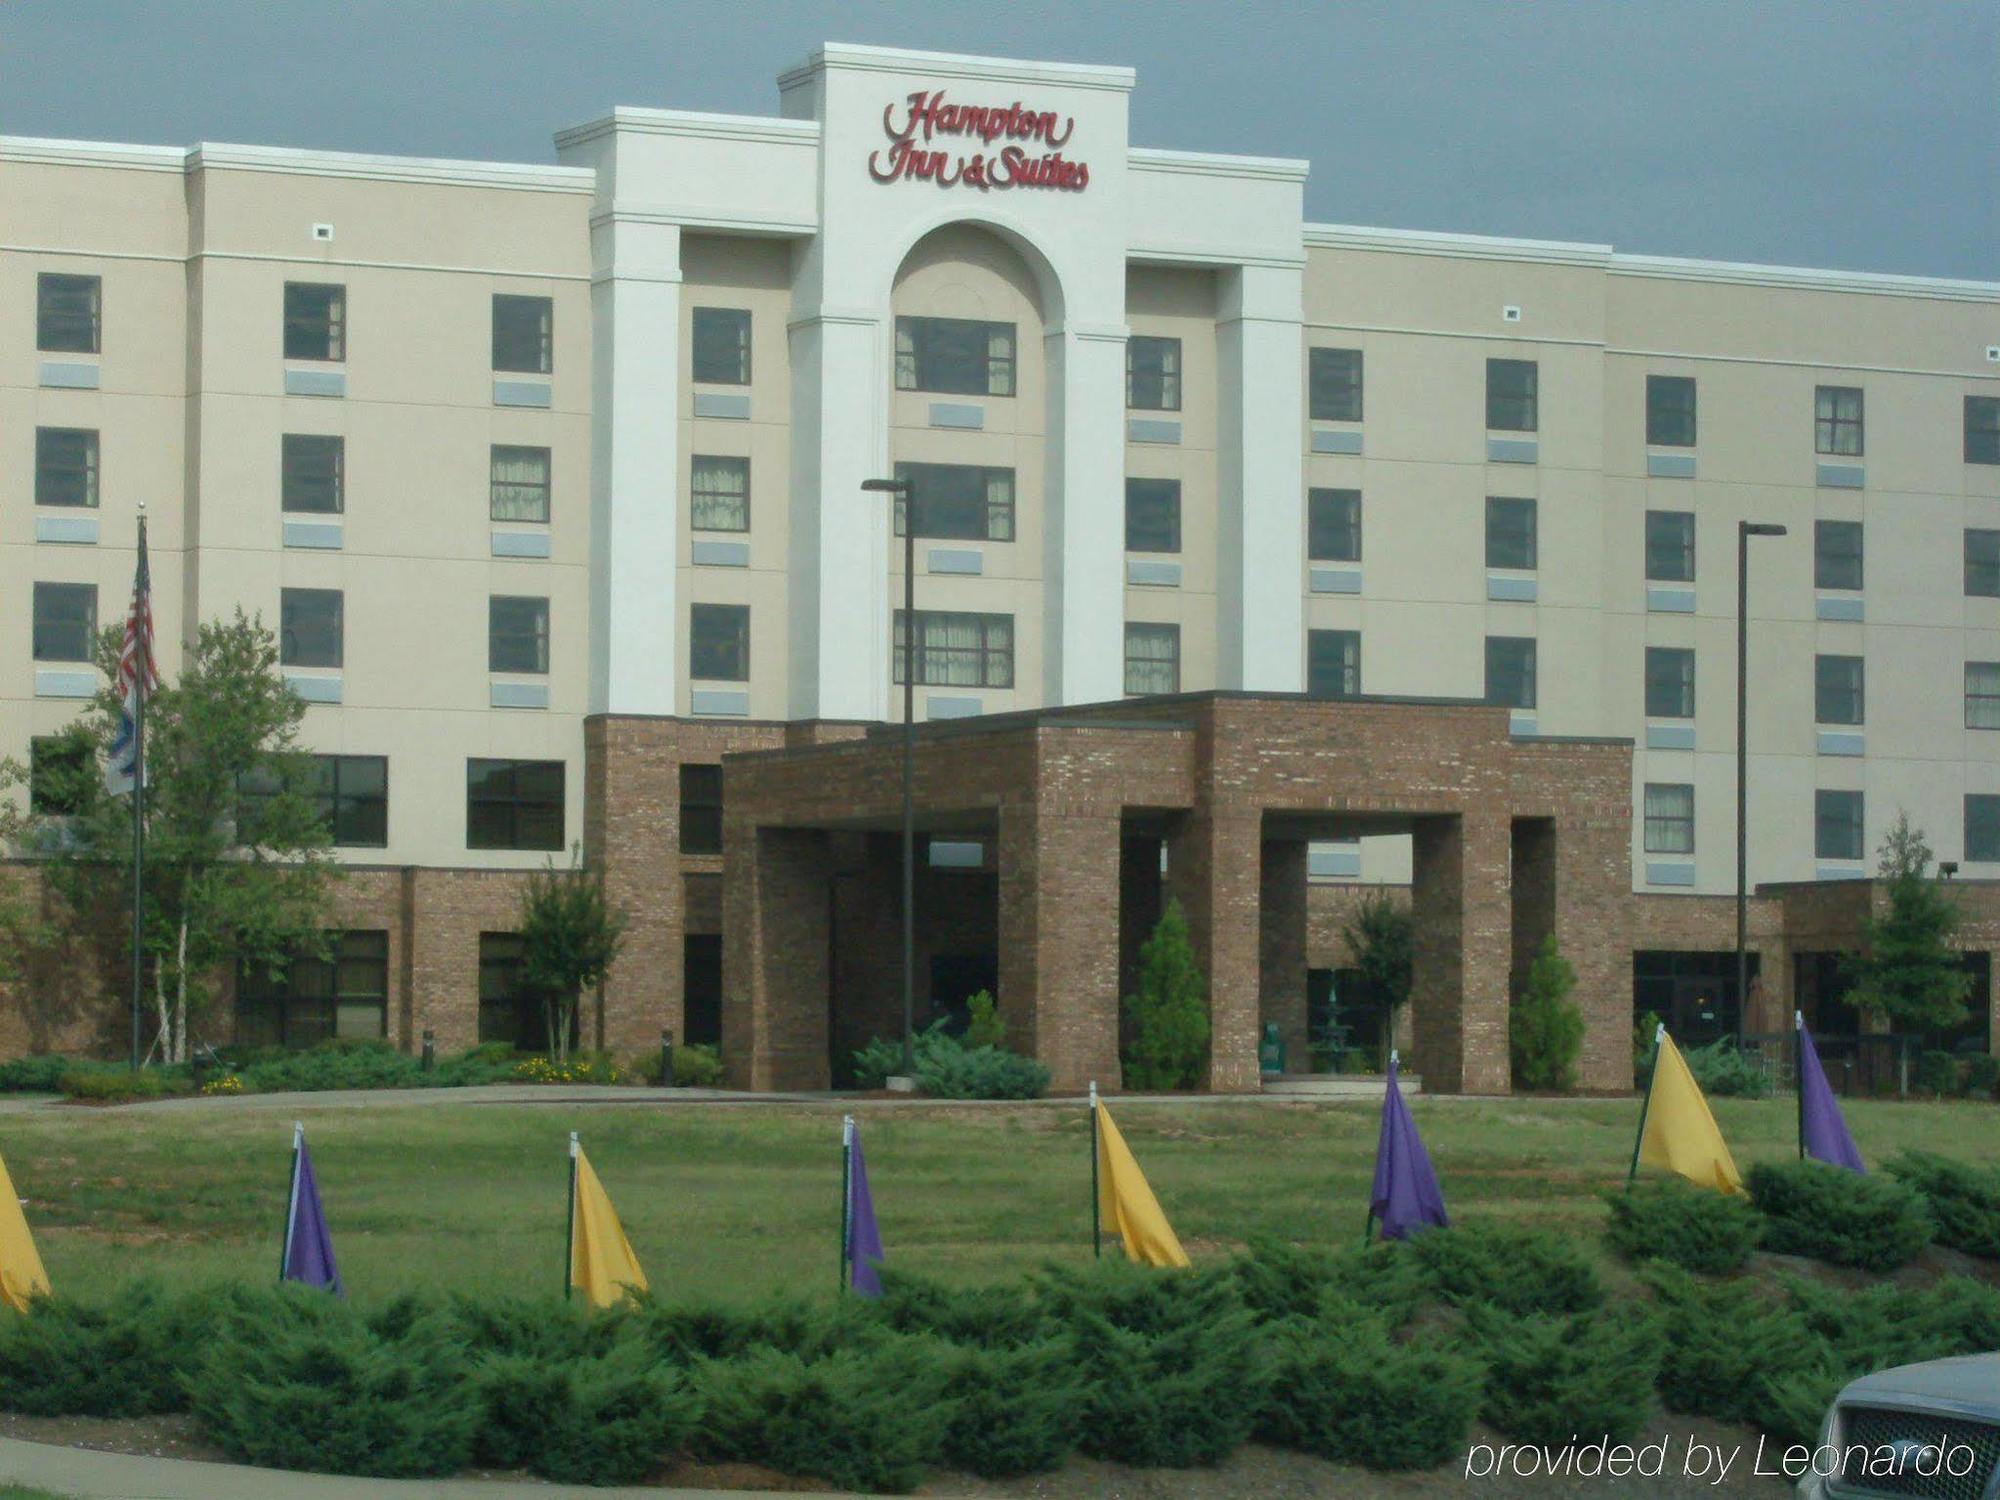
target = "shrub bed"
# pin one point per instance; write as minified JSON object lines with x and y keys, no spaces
{"x":947,"y":1067}
{"x":1515,"y":1270}
{"x":1688,"y":1226}
{"x":1964,"y":1199}
{"x":1552,"y":1378}
{"x":1341,"y":1390}
{"x":1871,"y":1222}
{"x":112,"y":1083}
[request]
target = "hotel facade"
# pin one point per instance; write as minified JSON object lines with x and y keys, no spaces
{"x":1261,"y":564}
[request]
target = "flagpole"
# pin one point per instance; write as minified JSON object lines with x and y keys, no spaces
{"x":139,"y":800}
{"x":1368,"y":1225}
{"x":846,"y":1196}
{"x":569,"y":1236}
{"x":292,"y":1201}
{"x":1096,"y":1225}
{"x":1799,"y":1073}
{"x":1659,"y":1035}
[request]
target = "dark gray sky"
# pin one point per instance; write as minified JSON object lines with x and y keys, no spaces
{"x":1822,"y":132}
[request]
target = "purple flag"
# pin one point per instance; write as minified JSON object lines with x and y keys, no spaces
{"x":1822,"y":1132}
{"x":308,"y":1246}
{"x":1406,"y":1197}
{"x":864,"y":1240}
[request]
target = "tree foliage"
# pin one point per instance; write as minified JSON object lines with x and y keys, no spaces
{"x":1908,"y":973}
{"x":1169,"y":1013}
{"x":570,"y":933}
{"x":1546,"y":1030}
{"x":236,"y":851}
{"x":1378,"y":936}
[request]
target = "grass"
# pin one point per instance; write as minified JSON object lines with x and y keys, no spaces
{"x":738,"y":1201}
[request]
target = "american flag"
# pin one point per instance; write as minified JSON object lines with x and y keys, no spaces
{"x":137,"y":678}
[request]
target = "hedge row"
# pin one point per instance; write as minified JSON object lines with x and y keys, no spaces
{"x":1384,"y":1358}
{"x":1875,"y":1222}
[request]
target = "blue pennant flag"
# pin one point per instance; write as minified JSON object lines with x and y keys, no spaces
{"x":308,"y":1246}
{"x":1405,"y":1197}
{"x":1822,"y":1132}
{"x":863,"y":1239}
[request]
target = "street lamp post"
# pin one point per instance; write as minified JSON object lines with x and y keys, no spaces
{"x":1744,"y":531}
{"x":904,"y":491}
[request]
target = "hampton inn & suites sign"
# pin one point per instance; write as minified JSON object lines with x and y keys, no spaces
{"x":967,"y":156}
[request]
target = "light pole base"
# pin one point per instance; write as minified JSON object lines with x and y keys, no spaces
{"x":897,"y":1084}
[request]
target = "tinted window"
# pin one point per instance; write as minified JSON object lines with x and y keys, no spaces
{"x":722,"y":345}
{"x":1669,"y":818}
{"x":65,"y":621}
{"x":66,"y":466}
{"x":518,"y":483}
{"x":1836,"y":825}
{"x":1333,"y":525}
{"x":955,"y":356}
{"x":1837,"y":554}
{"x":1670,"y":411}
{"x":1670,"y":546}
{"x":1510,"y":533}
{"x":719,"y":642}
{"x":1511,"y":395}
{"x":1982,"y":562}
{"x":1153,"y":374}
{"x":719,"y":493}
{"x":1152,"y":659}
{"x":965,"y":502}
{"x":524,"y":334}
{"x":701,"y":809}
{"x":67,"y":313}
{"x":1837,"y":420}
{"x":1152,"y":515}
{"x":1333,"y":663}
{"x":517,"y":633}
{"x":315,"y":321}
{"x":310,"y":633}
{"x":1837,"y":689}
{"x":1982,"y":827}
{"x":1669,"y":682}
{"x":313,"y":473}
{"x":514,"y":804}
{"x":1510,"y":670}
{"x":1333,"y":385}
{"x":1982,"y":429}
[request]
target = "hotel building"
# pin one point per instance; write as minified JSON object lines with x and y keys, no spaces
{"x":1261,"y":563}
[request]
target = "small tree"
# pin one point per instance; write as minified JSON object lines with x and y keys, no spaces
{"x":1907,"y":972}
{"x":569,"y":935}
{"x":1545,"y":1031}
{"x":236,"y":860}
{"x":1378,"y":935}
{"x":984,"y":1026}
{"x":1170,"y":1011}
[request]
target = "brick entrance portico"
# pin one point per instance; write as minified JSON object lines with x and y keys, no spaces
{"x":1514,"y":840}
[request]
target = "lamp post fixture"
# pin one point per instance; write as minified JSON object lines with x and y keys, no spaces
{"x":904,"y":491}
{"x":1744,"y":531}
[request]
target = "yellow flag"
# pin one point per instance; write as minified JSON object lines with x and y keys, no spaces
{"x":601,"y":1263}
{"x":1127,"y":1205}
{"x":21,"y":1275}
{"x":1680,"y":1134}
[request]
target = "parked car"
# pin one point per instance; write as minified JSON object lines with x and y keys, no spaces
{"x":1930,"y":1431}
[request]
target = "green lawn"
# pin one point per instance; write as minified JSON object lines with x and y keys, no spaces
{"x":727,"y":1201}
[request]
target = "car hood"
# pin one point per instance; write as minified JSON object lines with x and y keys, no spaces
{"x":1969,"y":1380}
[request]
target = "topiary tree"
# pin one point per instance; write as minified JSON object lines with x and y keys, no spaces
{"x":1170,"y":1011}
{"x":1545,"y":1032}
{"x":1908,"y":973}
{"x":1378,"y":936}
{"x":570,"y":933}
{"x":984,"y":1028}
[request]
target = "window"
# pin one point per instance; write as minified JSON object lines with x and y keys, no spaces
{"x":1669,"y":682}
{"x":1670,"y":411}
{"x":507,"y":1011}
{"x":1982,"y":563}
{"x":1982,"y":827}
{"x":524,"y":334}
{"x":958,"y":650}
{"x":719,"y":642}
{"x":1837,"y":420}
{"x":517,"y":633}
{"x":1669,"y":818}
{"x":1982,"y":695}
{"x":1670,"y":546}
{"x":66,"y":466}
{"x":65,"y":621}
{"x":1982,"y":429}
{"x":514,"y":804}
{"x":1333,"y":525}
{"x":312,"y":1000}
{"x":1836,"y":825}
{"x":1333,"y":663}
{"x":312,"y":473}
{"x":315,"y":321}
{"x":1333,"y":385}
{"x":1152,"y":659}
{"x":959,"y":501}
{"x":67,"y":313}
{"x":310,"y":627}
{"x":1152,"y":515}
{"x":955,"y":356}
{"x":1510,"y":532}
{"x":518,"y":485}
{"x":1837,"y":554}
{"x":1511,"y":395}
{"x":719,"y":493}
{"x":60,"y":770}
{"x":1153,"y":374}
{"x":722,"y":345}
{"x":701,"y":809}
{"x":1510,"y":670}
{"x":353,"y":796}
{"x":1837,"y":689}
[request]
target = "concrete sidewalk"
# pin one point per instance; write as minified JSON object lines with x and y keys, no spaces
{"x":92,"y":1475}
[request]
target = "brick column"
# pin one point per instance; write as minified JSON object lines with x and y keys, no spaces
{"x":1591,"y":888}
{"x":631,"y":833}
{"x":1282,"y":948}
{"x":1215,"y":871}
{"x":443,"y":960}
{"x":774,"y":956}
{"x":1059,"y":941}
{"x":1461,"y":950}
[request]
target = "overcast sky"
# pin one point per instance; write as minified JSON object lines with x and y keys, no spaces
{"x":1827,"y":133}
